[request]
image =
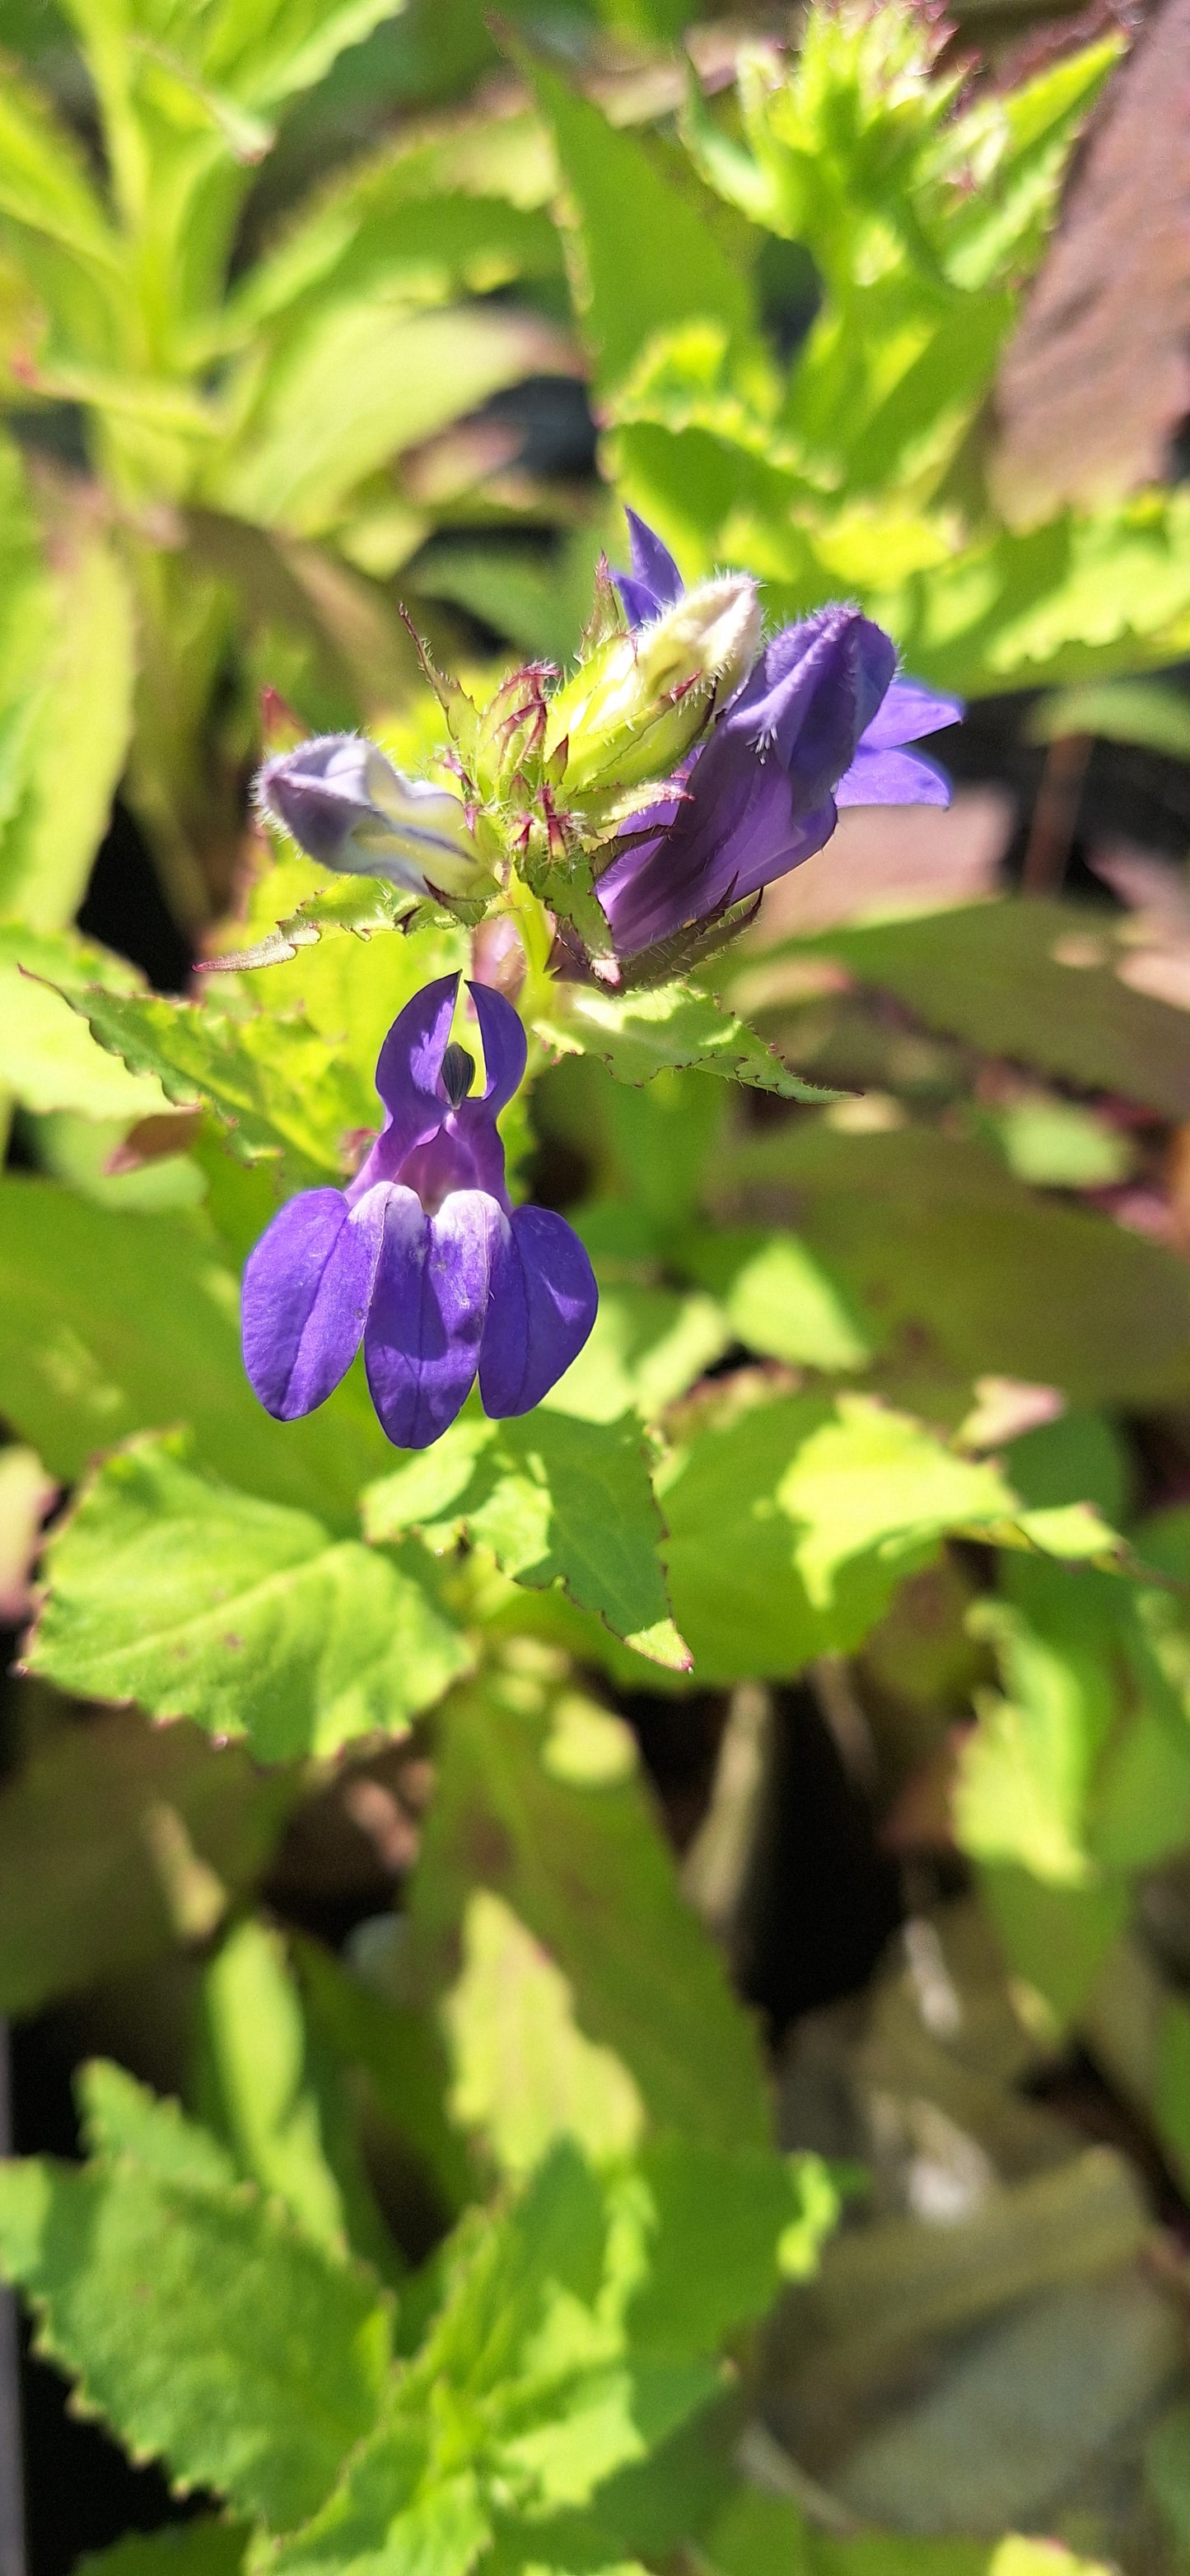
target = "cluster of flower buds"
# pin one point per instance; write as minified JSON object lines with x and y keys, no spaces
{"x":641,"y":803}
{"x":680,"y":768}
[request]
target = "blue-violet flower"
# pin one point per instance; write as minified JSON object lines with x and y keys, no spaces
{"x":820,"y":722}
{"x":422,"y":1256}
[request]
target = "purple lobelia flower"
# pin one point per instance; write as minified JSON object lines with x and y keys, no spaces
{"x":820,"y":722}
{"x":422,"y":1257}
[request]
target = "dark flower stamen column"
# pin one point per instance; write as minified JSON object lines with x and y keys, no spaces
{"x":423,"y":1258}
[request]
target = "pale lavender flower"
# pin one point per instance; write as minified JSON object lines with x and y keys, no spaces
{"x":340,"y":798}
{"x":422,"y":1257}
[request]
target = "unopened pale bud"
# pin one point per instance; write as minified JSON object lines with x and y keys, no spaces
{"x":640,"y":702}
{"x":343,"y":802}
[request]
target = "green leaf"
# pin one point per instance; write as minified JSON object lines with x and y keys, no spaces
{"x":1147,"y":712}
{"x":791,"y":1522}
{"x":1055,"y":1937}
{"x":648,"y":1346}
{"x":758,"y":2534}
{"x":204,"y":2547}
{"x":115,"y":1842}
{"x":722,"y":2231}
{"x":120,"y":2117}
{"x":378,"y":2510}
{"x":1086,"y":597}
{"x":403,"y":2055}
{"x":946,"y":1255}
{"x":269,"y":50}
{"x":281,"y":2108}
{"x":646,"y":2510}
{"x":117,"y":1323}
{"x":550,"y":2395}
{"x":674,"y":1026}
{"x":582,"y":1866}
{"x":1167,"y":2469}
{"x":654,"y":1143}
{"x":1026,"y":1773}
{"x":348,"y":987}
{"x":200,"y":2325}
{"x":556,"y":1499}
{"x":48,"y":1060}
{"x":401,"y":218}
{"x":202,"y":1602}
{"x":1035,"y":981}
{"x":873,"y":1479}
{"x":575,"y":2335}
{"x":1080,"y":1765}
{"x":644,"y":256}
{"x":777,"y":1297}
{"x":296,"y":463}
{"x":524,"y":2073}
{"x":43,"y":180}
{"x":276,"y":1085}
{"x":540,"y":602}
{"x":1057,"y":1144}
{"x":79,"y":724}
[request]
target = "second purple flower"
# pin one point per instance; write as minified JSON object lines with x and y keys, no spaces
{"x":821,"y":721}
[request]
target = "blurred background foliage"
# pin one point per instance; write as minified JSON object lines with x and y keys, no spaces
{"x":310,"y":314}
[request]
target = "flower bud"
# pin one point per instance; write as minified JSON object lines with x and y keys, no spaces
{"x":511,"y":729}
{"x":343,"y":802}
{"x":639,"y":703}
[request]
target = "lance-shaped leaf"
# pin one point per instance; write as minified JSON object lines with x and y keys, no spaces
{"x":43,"y":180}
{"x":674,"y":1026}
{"x":1039,"y":982}
{"x":577,"y":1857}
{"x":279,"y":2099}
{"x":118,"y":2116}
{"x":265,"y":55}
{"x":382,"y":221}
{"x":555,"y":1499}
{"x":67,"y":665}
{"x":643,"y":254}
{"x":780,"y":1300}
{"x":946,"y":1252}
{"x":305,"y":450}
{"x":525,"y":2074}
{"x":200,"y":2325}
{"x":202,"y":1602}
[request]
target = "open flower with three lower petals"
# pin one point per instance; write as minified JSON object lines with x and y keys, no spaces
{"x":422,"y":1257}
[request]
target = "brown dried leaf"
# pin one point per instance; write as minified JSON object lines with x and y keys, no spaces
{"x":1097,"y":376}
